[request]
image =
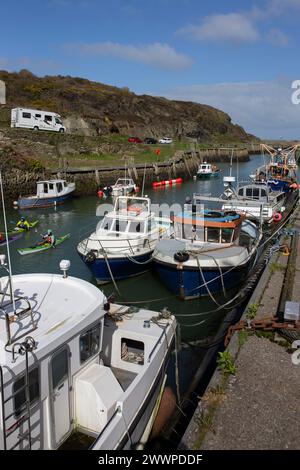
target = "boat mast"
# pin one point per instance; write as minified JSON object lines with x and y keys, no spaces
{"x":7,"y":246}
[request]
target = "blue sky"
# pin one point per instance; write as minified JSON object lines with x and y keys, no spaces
{"x":239,"y":56}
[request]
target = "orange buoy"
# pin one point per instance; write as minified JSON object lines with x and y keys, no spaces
{"x":277,"y":217}
{"x":100,"y":193}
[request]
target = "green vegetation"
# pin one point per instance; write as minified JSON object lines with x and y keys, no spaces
{"x":243,"y":336}
{"x":226,"y":363}
{"x":252,"y":311}
{"x":275,"y":267}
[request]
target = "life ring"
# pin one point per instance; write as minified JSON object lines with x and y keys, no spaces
{"x":286,"y":251}
{"x":277,"y":217}
{"x":181,"y":256}
{"x":136,"y":209}
{"x":90,"y":257}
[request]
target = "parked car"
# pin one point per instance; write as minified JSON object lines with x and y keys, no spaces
{"x":165,"y":140}
{"x":136,"y":140}
{"x":150,"y":140}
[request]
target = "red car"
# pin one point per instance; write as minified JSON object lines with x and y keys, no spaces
{"x":136,"y":140}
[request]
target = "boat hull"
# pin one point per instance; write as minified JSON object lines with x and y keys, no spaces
{"x":120,"y":267}
{"x":187,"y":283}
{"x":206,"y":176}
{"x":30,"y":203}
{"x":279,"y":185}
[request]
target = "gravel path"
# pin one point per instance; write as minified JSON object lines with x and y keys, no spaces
{"x":262,"y":405}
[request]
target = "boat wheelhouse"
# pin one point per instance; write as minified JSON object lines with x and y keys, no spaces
{"x":212,"y":252}
{"x":257,"y":200}
{"x":124,"y":240}
{"x":207,"y":170}
{"x":49,"y":193}
{"x":71,"y":364}
{"x":281,"y":171}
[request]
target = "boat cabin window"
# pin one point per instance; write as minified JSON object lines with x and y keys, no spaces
{"x":132,"y":351}
{"x":60,"y":367}
{"x":51,"y":186}
{"x":152,"y":224}
{"x":65,"y":184}
{"x":255,"y":193}
{"x":20,"y":393}
{"x":106,"y":223}
{"x":136,"y":227}
{"x":213,"y":235}
{"x":89,"y":343}
{"x":227,"y":235}
{"x":119,"y":225}
{"x":59,"y":187}
{"x":45,"y":188}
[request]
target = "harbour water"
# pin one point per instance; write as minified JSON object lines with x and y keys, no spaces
{"x":78,"y":217}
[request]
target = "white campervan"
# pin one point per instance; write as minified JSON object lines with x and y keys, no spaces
{"x":36,"y":119}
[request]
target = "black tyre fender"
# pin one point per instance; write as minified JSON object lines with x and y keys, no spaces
{"x":181,"y":256}
{"x":213,"y":214}
{"x":230,"y":213}
{"x":90,"y":257}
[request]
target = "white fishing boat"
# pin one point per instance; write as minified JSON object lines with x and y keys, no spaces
{"x":257,"y":200}
{"x":71,"y":364}
{"x":49,"y":193}
{"x":124,"y":241}
{"x":207,"y":170}
{"x":122,"y":187}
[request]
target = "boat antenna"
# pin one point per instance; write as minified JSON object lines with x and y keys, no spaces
{"x":144,"y":176}
{"x":231,"y":158}
{"x":7,"y":246}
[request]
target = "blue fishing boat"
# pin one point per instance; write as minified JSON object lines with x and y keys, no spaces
{"x":49,"y":193}
{"x":124,"y":241}
{"x":212,"y":252}
{"x":280,"y":173}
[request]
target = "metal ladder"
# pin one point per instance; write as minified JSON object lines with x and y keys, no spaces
{"x":24,"y":348}
{"x":16,"y":316}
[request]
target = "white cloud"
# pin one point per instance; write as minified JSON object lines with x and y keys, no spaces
{"x":157,"y":54}
{"x":277,"y":38}
{"x":262,"y":108}
{"x":232,"y":27}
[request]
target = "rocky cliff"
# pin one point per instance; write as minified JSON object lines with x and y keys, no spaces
{"x":92,"y":108}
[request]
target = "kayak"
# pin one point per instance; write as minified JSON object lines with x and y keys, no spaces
{"x":16,"y":231}
{"x":11,"y":239}
{"x":46,"y":246}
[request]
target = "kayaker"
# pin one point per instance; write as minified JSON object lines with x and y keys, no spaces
{"x":23,"y":224}
{"x":48,"y":238}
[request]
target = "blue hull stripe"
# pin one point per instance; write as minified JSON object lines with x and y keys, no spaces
{"x":189,"y":283}
{"x":28,"y":203}
{"x":121,"y":268}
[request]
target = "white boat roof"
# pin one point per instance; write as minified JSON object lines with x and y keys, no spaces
{"x":51,"y":181}
{"x":61,"y":306}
